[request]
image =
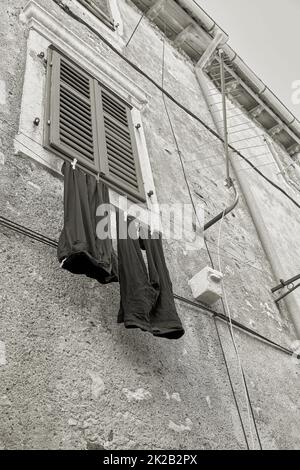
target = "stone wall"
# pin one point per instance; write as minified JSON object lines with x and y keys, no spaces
{"x":70,"y":376}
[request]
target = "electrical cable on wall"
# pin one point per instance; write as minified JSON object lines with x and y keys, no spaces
{"x":36,"y":236}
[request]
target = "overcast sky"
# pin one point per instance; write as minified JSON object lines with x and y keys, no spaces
{"x":266,"y":34}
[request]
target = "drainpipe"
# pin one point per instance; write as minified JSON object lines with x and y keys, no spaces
{"x":255,"y":212}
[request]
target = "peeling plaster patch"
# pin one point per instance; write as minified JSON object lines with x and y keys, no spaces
{"x":35,"y":186}
{"x":97,"y":386}
{"x":89,"y":422}
{"x":2,"y":92}
{"x":72,"y":422}
{"x":2,"y":354}
{"x":4,"y":401}
{"x":181,"y":427}
{"x":2,"y":158}
{"x":208,"y":400}
{"x":229,"y":270}
{"x":249,"y":305}
{"x":174,"y":396}
{"x":267,"y":310}
{"x":137,"y":395}
{"x":258,"y":410}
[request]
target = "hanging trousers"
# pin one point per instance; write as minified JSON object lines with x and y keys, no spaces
{"x":79,"y":249}
{"x":147,"y":300}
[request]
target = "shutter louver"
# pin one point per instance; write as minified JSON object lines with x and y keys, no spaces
{"x":73,"y":122}
{"x":122,"y":162}
{"x":88,"y":122}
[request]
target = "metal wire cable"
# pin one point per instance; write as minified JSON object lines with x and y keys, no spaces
{"x":196,"y":214}
{"x":230,"y":326}
{"x":36,"y":236}
{"x":230,"y":382}
{"x":135,"y":29}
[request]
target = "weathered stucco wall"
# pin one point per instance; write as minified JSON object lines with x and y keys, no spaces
{"x":71,"y":377}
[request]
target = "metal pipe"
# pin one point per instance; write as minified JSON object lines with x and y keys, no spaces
{"x":223,"y":88}
{"x":224,"y":212}
{"x":287,"y":293}
{"x":285,"y":283}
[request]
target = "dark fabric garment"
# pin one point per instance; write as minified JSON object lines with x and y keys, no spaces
{"x":147,"y":300}
{"x":79,"y":249}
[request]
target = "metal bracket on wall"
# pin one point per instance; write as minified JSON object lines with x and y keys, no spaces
{"x":289,"y":284}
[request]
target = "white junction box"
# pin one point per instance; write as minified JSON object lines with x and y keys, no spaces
{"x":206,"y":285}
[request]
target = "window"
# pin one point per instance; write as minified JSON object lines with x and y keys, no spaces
{"x":101,"y":9}
{"x":87,"y":121}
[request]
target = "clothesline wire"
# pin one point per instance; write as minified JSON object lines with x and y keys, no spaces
{"x":55,"y":169}
{"x":237,"y":171}
{"x":36,"y":236}
{"x":203,"y":168}
{"x":190,"y":244}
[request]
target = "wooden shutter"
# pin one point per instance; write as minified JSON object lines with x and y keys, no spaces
{"x":119,"y":154}
{"x":88,"y":122}
{"x":73,"y":124}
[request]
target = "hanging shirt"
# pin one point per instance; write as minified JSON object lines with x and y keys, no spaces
{"x":147,"y":300}
{"x":80,"y":251}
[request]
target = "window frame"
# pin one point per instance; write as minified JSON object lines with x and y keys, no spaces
{"x":100,"y":165}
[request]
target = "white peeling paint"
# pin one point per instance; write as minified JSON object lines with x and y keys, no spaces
{"x":72,"y":422}
{"x":229,"y":270}
{"x":258,"y":410}
{"x":249,"y":304}
{"x":97,"y":386}
{"x":4,"y":401}
{"x":181,"y":427}
{"x":2,"y":92}
{"x":35,"y":186}
{"x":208,"y":400}
{"x":2,"y":354}
{"x":2,"y":158}
{"x":137,"y":395}
{"x":173,"y":396}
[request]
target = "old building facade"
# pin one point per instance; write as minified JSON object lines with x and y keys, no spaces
{"x":71,"y":377}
